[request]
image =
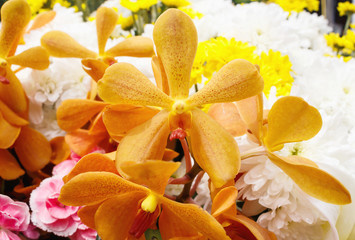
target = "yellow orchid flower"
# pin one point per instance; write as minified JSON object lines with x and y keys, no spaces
{"x":291,"y":119}
{"x":60,"y":44}
{"x":236,"y":225}
{"x":214,"y":149}
{"x":120,"y":209}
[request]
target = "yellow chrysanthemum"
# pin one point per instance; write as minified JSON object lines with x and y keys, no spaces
{"x":332,"y":40}
{"x":64,"y":3}
{"x":352,"y":26}
{"x":276,"y":71}
{"x":346,"y":8}
{"x":199,"y":62}
{"x":297,"y":5}
{"x":36,"y":5}
{"x":176,"y":3}
{"x":192,"y":13}
{"x":135,"y":6}
{"x":125,"y":22}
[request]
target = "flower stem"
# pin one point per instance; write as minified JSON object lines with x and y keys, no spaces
{"x":197,"y":182}
{"x":185,"y":147}
{"x":185,"y":194}
{"x":347,"y":23}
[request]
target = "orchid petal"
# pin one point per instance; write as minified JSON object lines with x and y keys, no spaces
{"x":132,"y":47}
{"x":251,"y":111}
{"x":8,"y":133}
{"x":33,"y":149}
{"x":169,"y":154}
{"x":15,"y":15}
{"x":91,"y":188}
{"x":224,"y":202}
{"x":121,"y":118}
{"x":116,"y":226}
{"x":147,"y":141}
{"x":312,"y":180}
{"x":36,"y":58}
{"x":226,"y":114}
{"x":152,"y":173}
{"x":291,"y":119}
{"x":106,"y":20}
{"x":221,"y":161}
{"x":42,"y":19}
{"x":74,"y":113}
{"x":235,"y":81}
{"x":11,"y":117}
{"x":94,"y":162}
{"x":87,"y":215}
{"x":194,"y":217}
{"x":123,"y":83}
{"x":159,"y":75}
{"x":97,"y":126}
{"x":60,"y":150}
{"x":95,"y":68}
{"x":12,"y":94}
{"x":10,"y":169}
{"x":60,"y":44}
{"x":175,"y":38}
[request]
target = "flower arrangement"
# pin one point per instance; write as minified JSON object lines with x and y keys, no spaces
{"x":176,"y":120}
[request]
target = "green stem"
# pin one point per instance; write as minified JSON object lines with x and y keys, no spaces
{"x":196,"y":88}
{"x":347,"y":23}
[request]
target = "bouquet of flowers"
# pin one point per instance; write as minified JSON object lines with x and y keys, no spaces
{"x":176,"y":119}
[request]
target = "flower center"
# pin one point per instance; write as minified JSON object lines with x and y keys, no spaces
{"x":179,"y":107}
{"x":3,"y":63}
{"x":150,"y":203}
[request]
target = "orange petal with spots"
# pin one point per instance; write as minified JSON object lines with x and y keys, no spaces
{"x":74,"y":113}
{"x":235,"y":81}
{"x":291,"y":119}
{"x":42,"y":19}
{"x":106,"y":20}
{"x":133,"y":47}
{"x":11,"y":117}
{"x":60,"y":44}
{"x":60,"y":150}
{"x":121,"y":118}
{"x":36,"y":58}
{"x":151,"y":173}
{"x":116,"y":226}
{"x":225,"y":202}
{"x":147,"y":141}
{"x":95,"y":68}
{"x":91,"y":188}
{"x":193,"y":216}
{"x":159,"y":75}
{"x":312,"y":180}
{"x":215,"y":150}
{"x":87,"y":215}
{"x":33,"y":149}
{"x":10,"y":169}
{"x":93,"y":162}
{"x":228,"y":116}
{"x":175,"y":38}
{"x":8,"y":133}
{"x":123,"y":83}
{"x":15,"y":15}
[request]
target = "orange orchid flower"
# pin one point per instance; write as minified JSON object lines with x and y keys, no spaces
{"x":213,"y":147}
{"x":237,"y":226}
{"x":121,"y":209}
{"x":291,"y":119}
{"x":60,"y":44}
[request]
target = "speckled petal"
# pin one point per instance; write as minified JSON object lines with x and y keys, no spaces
{"x":106,"y":20}
{"x":133,"y":47}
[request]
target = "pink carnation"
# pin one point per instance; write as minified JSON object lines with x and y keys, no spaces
{"x":14,"y":217}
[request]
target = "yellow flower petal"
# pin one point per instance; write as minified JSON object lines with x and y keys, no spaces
{"x":123,"y":83}
{"x":106,"y":19}
{"x":42,"y":19}
{"x":147,"y":141}
{"x":291,"y":119}
{"x":11,"y":117}
{"x":36,"y":58}
{"x":60,"y":44}
{"x":114,"y":218}
{"x":74,"y":113}
{"x":312,"y":180}
{"x":175,"y":38}
{"x":91,"y":188}
{"x":95,"y":68}
{"x":33,"y":149}
{"x":12,"y":94}
{"x":60,"y":150}
{"x":227,"y":115}
{"x":235,"y":81}
{"x":8,"y":133}
{"x":10,"y":169}
{"x":214,"y":149}
{"x":151,"y":173}
{"x":121,"y":118}
{"x":15,"y":15}
{"x":134,"y":47}
{"x":192,"y":216}
{"x":93,"y":162}
{"x":160,"y":75}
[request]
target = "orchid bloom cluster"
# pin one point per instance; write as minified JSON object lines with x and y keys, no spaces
{"x":173,"y":135}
